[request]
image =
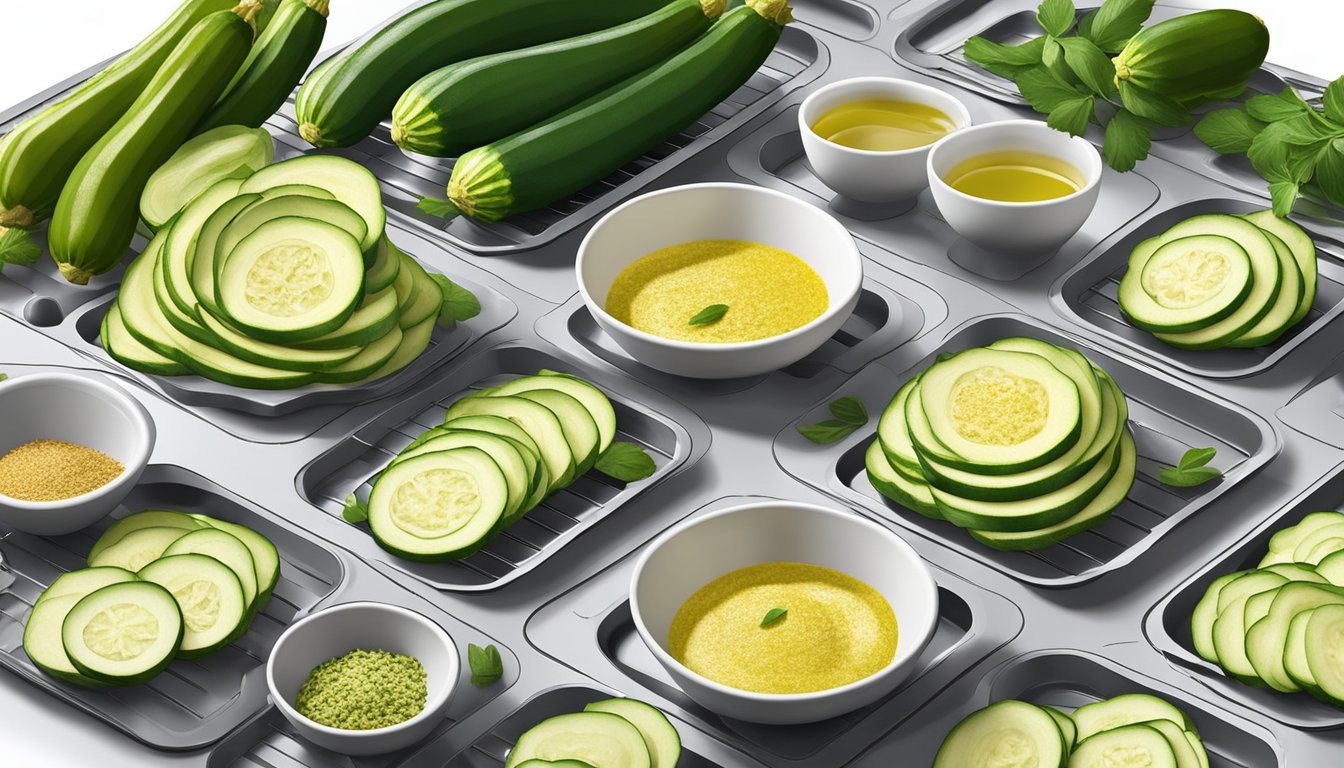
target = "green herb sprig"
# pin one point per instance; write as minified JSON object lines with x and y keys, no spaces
{"x":1066,"y":77}
{"x":849,"y":413}
{"x":487,"y":667}
{"x":711,"y":314}
{"x":626,"y":462}
{"x":773,"y":615}
{"x":1294,"y":146}
{"x":16,"y":247}
{"x":458,"y":303}
{"x":355,"y":511}
{"x":1192,"y":469}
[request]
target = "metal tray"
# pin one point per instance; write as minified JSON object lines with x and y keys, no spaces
{"x":590,"y":629}
{"x":1167,"y":625}
{"x":351,"y":465}
{"x":1166,"y":417}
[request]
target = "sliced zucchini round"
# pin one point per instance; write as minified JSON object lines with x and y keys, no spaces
{"x":414,"y":341}
{"x":504,"y":452}
{"x":265,"y":557}
{"x":174,"y":261}
{"x":1323,"y":644}
{"x":149,"y":518}
{"x":375,"y":318}
{"x":601,"y":739}
{"x":138,"y":548}
{"x":385,"y":267}
{"x":84,"y":581}
{"x":227,"y":549}
{"x":126,"y":349}
{"x":203,"y":267}
{"x":223,"y":152}
{"x":123,"y":634}
{"x":893,"y":433}
{"x":209,"y":596}
{"x":538,"y":421}
{"x":594,"y":399}
{"x":42,"y":640}
{"x":438,"y":506}
{"x":1066,"y":727}
{"x":264,"y":209}
{"x":1304,"y":253}
{"x":510,"y":430}
{"x":1186,"y":284}
{"x":372,"y":359}
{"x":1279,"y":318}
{"x":580,"y":430}
{"x":280,"y":356}
{"x":1139,"y":745}
{"x":911,"y":494}
{"x":660,"y":737}
{"x":1127,"y":709}
{"x":346,"y":180}
{"x":1004,"y":733}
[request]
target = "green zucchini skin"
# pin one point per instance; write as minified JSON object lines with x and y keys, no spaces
{"x":99,"y":206}
{"x":39,"y":154}
{"x":1197,"y":57}
{"x":346,"y":97}
{"x":274,"y":67}
{"x":555,"y":159}
{"x":475,"y":102}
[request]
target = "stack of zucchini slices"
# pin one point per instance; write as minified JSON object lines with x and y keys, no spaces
{"x":498,"y":454}
{"x":1132,"y":729}
{"x":1023,"y":443}
{"x":624,"y":732}
{"x":1217,"y":281}
{"x":277,"y":280}
{"x":1280,"y":624}
{"x":160,"y":585}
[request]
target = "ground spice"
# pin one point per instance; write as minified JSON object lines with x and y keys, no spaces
{"x":52,"y":470}
{"x":837,"y":629}
{"x":768,"y":291}
{"x":363,"y":690}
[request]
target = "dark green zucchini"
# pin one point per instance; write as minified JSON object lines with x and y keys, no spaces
{"x":346,"y":97}
{"x":475,"y":102}
{"x":39,"y":154}
{"x":275,"y":66}
{"x":557,"y":158}
{"x":99,"y":206}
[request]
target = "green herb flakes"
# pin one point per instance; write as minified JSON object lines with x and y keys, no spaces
{"x":364,"y":690}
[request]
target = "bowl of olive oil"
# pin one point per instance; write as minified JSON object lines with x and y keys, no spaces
{"x":1015,"y":186}
{"x":868,"y":138}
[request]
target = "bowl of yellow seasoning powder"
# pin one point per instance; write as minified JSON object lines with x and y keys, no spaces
{"x":71,"y":447}
{"x":363,"y":678}
{"x":718,"y":281}
{"x":781,"y":612}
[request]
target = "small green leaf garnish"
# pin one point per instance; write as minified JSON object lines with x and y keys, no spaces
{"x":458,"y":303}
{"x":711,"y":314}
{"x":1128,"y":139}
{"x":1055,"y":16}
{"x":849,"y":413}
{"x":355,"y":511}
{"x":1228,"y":131}
{"x":773,"y":615}
{"x":1111,"y":25}
{"x":1191,"y":470}
{"x":16,"y":247}
{"x":486,"y":665}
{"x":4,"y":376}
{"x":626,"y":462}
{"x":437,"y":206}
{"x":850,"y":410}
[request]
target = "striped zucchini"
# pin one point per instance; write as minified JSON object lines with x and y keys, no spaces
{"x":275,"y":66}
{"x":555,"y":159}
{"x":1199,"y":57}
{"x":481,"y":100}
{"x":39,"y":154}
{"x":99,"y":206}
{"x":346,"y":97}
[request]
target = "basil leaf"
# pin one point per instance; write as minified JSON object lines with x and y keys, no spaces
{"x":850,"y":410}
{"x":828,"y":431}
{"x":1151,"y":105}
{"x":4,"y":376}
{"x":437,"y":206}
{"x":487,"y":667}
{"x":1272,"y":107}
{"x":458,"y":303}
{"x":1127,"y":141}
{"x":1052,"y":56}
{"x":1334,"y":101}
{"x":773,"y":615}
{"x":1187,"y":478}
{"x":626,"y":462}
{"x":1197,"y":457}
{"x":1330,"y":171}
{"x":1284,"y":194}
{"x":1115,"y":22}
{"x":16,"y":247}
{"x":355,"y":511}
{"x":1228,"y":131}
{"x":1071,"y":117}
{"x":1003,"y":60}
{"x":711,"y":314}
{"x":1090,"y":64}
{"x":1044,"y":91}
{"x":1056,"y":16}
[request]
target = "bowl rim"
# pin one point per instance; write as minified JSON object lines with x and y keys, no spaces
{"x":961,"y":120}
{"x":923,"y":633}
{"x":145,"y":435}
{"x":433,"y":705}
{"x":841,"y":235}
{"x":1094,"y":164}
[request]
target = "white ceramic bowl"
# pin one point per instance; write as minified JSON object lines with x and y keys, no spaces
{"x":695,"y":552}
{"x":336,"y":631}
{"x":1015,"y":228}
{"x":81,"y":409}
{"x":868,"y":176}
{"x":720,"y":212}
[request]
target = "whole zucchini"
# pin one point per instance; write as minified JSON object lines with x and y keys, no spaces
{"x":561,"y":156}
{"x":346,"y":97}
{"x":1197,"y":57}
{"x":478,"y":101}
{"x":99,"y":206}
{"x":274,"y":67}
{"x":38,"y":155}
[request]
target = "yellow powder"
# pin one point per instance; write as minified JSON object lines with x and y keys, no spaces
{"x":768,"y":291}
{"x":51,"y":470}
{"x":994,"y":406}
{"x":838,"y":630}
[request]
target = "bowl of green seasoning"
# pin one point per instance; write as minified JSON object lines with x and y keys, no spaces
{"x":363,"y":678}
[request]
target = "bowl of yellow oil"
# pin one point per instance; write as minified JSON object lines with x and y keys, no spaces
{"x":1015,"y":186}
{"x":782,"y":612}
{"x":868,"y":138}
{"x":719,"y":281}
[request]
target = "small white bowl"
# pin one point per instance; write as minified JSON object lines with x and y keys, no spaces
{"x":1016,"y":228}
{"x":336,"y":631}
{"x":720,"y":212}
{"x":695,"y":552}
{"x":865,"y":175}
{"x":78,"y":409}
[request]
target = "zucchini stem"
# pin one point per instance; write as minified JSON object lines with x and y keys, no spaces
{"x":18,"y":217}
{"x":248,"y":10}
{"x":777,"y":11}
{"x":321,"y":6}
{"x":713,"y":8}
{"x":73,"y":274}
{"x":310,"y":133}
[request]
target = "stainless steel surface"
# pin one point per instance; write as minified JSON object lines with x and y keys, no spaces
{"x":1101,"y":615}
